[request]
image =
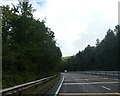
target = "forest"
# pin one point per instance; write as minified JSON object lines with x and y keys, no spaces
{"x":29,"y":48}
{"x":104,"y":56}
{"x":30,"y":51}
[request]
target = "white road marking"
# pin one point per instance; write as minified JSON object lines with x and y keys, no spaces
{"x":76,"y":80}
{"x":106,"y":88}
{"x":95,"y":76}
{"x":105,"y":78}
{"x":56,"y":93}
{"x":91,"y":83}
{"x":89,"y":94}
{"x":115,"y":79}
{"x":86,"y":79}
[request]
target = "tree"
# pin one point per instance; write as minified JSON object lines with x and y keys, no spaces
{"x":29,"y":47}
{"x":97,"y":42}
{"x":104,"y":56}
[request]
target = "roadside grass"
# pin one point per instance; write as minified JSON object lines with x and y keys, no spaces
{"x":10,"y":79}
{"x":38,"y":89}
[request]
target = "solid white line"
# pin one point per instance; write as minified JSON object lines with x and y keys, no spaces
{"x":106,"y":88}
{"x":56,"y":93}
{"x":84,"y":83}
{"x":89,"y":94}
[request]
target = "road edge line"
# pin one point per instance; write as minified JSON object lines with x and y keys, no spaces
{"x":56,"y":93}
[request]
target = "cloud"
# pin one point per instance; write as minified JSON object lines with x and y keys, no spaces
{"x":77,"y":23}
{"x":8,"y":2}
{"x":41,"y":3}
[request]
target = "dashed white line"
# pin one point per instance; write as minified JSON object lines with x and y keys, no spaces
{"x":77,"y":80}
{"x":106,"y":88}
{"x":86,"y":79}
{"x":105,"y":78}
{"x":115,"y":79}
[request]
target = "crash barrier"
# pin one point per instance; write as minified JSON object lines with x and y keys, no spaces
{"x":103,"y":73}
{"x":20,"y":89}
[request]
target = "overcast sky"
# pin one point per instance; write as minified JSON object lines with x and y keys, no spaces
{"x":76,"y":23}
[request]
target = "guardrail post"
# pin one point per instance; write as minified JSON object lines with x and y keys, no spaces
{"x":36,"y":86}
{"x":19,"y":93}
{"x":113,"y":74}
{"x":105,"y":73}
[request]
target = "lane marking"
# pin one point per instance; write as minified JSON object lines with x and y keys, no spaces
{"x":106,"y":88}
{"x":89,"y":94}
{"x":76,"y":80}
{"x":105,"y":78}
{"x":85,"y":79}
{"x":95,"y":76}
{"x":91,"y":83}
{"x":56,"y":93}
{"x":115,"y":79}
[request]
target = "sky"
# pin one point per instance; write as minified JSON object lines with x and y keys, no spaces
{"x":76,"y":23}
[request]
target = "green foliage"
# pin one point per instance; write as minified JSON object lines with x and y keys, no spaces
{"x":102,"y":57}
{"x":64,"y":59}
{"x":29,"y":47}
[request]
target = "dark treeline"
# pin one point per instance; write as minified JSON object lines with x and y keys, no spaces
{"x":103,"y":56}
{"x":29,"y":48}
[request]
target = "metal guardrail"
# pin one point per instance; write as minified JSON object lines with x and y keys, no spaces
{"x":103,"y":73}
{"x":19,"y":88}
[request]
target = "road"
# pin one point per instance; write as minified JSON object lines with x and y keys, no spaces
{"x":77,"y":84}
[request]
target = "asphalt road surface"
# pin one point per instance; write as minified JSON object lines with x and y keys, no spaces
{"x":77,"y":84}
